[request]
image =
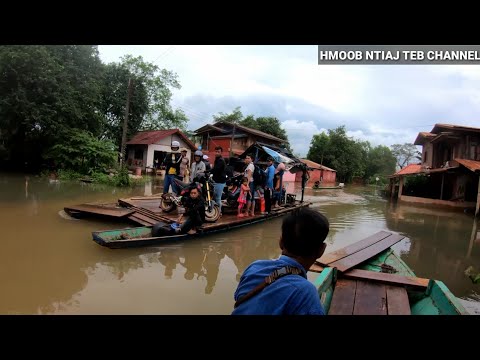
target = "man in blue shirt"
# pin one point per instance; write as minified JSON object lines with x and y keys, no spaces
{"x":281,"y":287}
{"x":268,"y":193}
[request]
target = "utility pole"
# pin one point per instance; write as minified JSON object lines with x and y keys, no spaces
{"x":231,"y":141}
{"x":125,"y":120}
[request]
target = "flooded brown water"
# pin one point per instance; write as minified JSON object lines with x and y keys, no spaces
{"x":50,"y":265}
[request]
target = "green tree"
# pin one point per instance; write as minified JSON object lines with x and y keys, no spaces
{"x":43,"y":91}
{"x":318,"y":148}
{"x":81,"y":151}
{"x":406,"y":154}
{"x":380,"y":162}
{"x":235,"y":117}
{"x":336,"y":150}
{"x":150,"y":107}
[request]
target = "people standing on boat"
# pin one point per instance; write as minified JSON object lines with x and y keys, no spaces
{"x":242,"y":198}
{"x":172,"y":167}
{"x":268,"y":193}
{"x":219,"y":177}
{"x":198,"y":166}
{"x":289,"y":292}
{"x":279,"y":171}
{"x":184,"y":166}
{"x":250,"y":168}
{"x":194,"y":211}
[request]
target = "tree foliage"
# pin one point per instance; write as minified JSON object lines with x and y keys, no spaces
{"x":43,"y":91}
{"x":349,"y":157}
{"x":46,"y":91}
{"x":150,"y":107}
{"x":235,"y":117}
{"x":406,"y":154}
{"x":269,"y":125}
{"x":81,"y":151}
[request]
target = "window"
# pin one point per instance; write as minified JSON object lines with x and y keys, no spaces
{"x":425,"y":156}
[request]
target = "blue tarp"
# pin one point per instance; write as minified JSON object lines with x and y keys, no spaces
{"x":277,"y":156}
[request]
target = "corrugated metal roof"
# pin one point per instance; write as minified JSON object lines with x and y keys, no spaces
{"x":153,"y":136}
{"x":314,"y":165}
{"x":422,"y":137}
{"x":437,"y":128}
{"x":241,"y":127}
{"x":471,"y":165}
{"x":410,"y":169}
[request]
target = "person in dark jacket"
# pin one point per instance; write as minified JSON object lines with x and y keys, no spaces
{"x":194,"y":211}
{"x":219,"y":177}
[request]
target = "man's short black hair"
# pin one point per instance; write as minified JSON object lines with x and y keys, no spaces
{"x":219,"y":148}
{"x":270,"y":159}
{"x":304,"y":231}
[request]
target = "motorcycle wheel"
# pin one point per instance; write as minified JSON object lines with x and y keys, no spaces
{"x":167,"y":205}
{"x":213,"y":214}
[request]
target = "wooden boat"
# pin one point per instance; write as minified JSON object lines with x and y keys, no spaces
{"x":368,"y":278}
{"x":327,"y":187}
{"x":142,"y":236}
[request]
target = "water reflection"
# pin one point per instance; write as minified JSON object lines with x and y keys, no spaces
{"x":50,"y":265}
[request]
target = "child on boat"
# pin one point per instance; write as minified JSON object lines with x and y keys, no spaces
{"x":242,"y":198}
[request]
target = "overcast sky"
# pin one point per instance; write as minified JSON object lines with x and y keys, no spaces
{"x":384,"y":104}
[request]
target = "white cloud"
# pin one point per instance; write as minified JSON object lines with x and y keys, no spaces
{"x":383,"y":104}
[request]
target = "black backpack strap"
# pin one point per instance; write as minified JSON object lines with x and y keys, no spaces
{"x":287,"y":270}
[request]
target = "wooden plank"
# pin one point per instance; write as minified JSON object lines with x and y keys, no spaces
{"x":370,"y":299}
{"x":138,"y":220}
{"x":316,"y":268}
{"x":343,"y":298}
{"x":392,"y":279}
{"x":350,"y":261}
{"x":353,"y":248}
{"x":103,"y":209}
{"x":397,"y":300}
{"x":147,"y":219}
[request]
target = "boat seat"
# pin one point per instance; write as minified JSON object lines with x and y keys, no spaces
{"x":358,"y":297}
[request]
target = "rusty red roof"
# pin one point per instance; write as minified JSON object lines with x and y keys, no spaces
{"x":241,"y":127}
{"x":314,"y":165}
{"x":153,"y":136}
{"x":410,"y":169}
{"x":472,"y":165}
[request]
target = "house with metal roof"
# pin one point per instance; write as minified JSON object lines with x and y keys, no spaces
{"x":146,"y":147}
{"x":233,"y":138}
{"x":449,"y":170}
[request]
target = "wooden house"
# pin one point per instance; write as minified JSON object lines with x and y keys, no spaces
{"x":233,"y":138}
{"x":450,"y":167}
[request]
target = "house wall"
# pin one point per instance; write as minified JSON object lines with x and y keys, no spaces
{"x":329,"y":177}
{"x":427,"y":155}
{"x":208,"y":144}
{"x":148,"y":151}
{"x":425,"y":201}
{"x":131,"y":161}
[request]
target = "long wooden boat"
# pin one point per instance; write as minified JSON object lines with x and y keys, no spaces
{"x":368,"y":278}
{"x":327,"y":187}
{"x":142,"y":236}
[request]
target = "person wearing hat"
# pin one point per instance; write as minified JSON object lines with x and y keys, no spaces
{"x":198,"y":166}
{"x":184,"y":165}
{"x":208,"y":166}
{"x":172,"y":167}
